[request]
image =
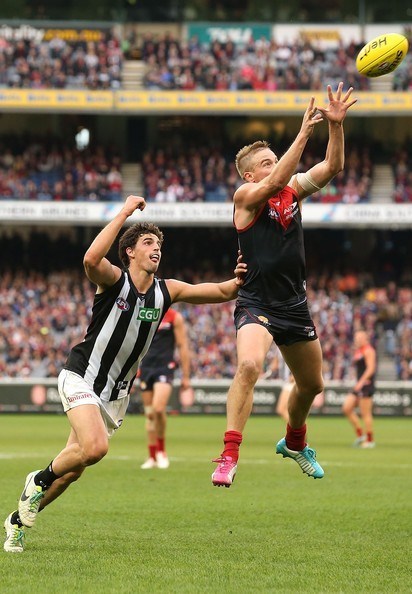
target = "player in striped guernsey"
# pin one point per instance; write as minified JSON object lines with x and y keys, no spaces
{"x":95,"y":384}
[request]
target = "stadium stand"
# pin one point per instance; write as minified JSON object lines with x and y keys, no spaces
{"x":60,"y":63}
{"x":45,"y":303}
{"x":35,"y":169}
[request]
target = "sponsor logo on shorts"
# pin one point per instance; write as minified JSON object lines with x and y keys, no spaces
{"x":263,"y":319}
{"x":310,"y":331}
{"x":77,"y":397}
{"x":122,"y":304}
{"x":148,"y":314}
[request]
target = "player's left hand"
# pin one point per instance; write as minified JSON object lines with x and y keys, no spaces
{"x":338,"y":106}
{"x":240,"y":270}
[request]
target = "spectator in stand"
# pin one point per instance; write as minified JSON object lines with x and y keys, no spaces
{"x":60,"y":63}
{"x":255,"y":65}
{"x":35,"y":172}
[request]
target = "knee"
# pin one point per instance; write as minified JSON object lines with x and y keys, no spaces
{"x":150,"y":418}
{"x":248,"y":371}
{"x":312,"y":388}
{"x":94,"y":452}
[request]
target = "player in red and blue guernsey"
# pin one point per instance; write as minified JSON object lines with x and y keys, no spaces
{"x":364,"y":360}
{"x":272,"y":304}
{"x":156,"y":376}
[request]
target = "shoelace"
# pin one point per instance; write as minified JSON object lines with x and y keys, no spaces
{"x":35,"y":500}
{"x":18,"y":536}
{"x":312,"y":454}
{"x":224,"y":463}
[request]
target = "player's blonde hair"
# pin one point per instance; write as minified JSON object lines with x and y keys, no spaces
{"x":244,"y":157}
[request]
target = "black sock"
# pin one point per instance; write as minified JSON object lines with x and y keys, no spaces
{"x":45,"y":477}
{"x":15,"y":519}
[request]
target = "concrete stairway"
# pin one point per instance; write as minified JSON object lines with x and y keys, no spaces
{"x":382,"y":83}
{"x":132,"y":179}
{"x":382,"y":184}
{"x":133,"y":72}
{"x":386,"y":363}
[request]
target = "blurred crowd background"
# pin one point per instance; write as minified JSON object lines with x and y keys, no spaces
{"x":357,"y":278}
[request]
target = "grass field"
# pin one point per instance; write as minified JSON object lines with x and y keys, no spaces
{"x":124,"y":530}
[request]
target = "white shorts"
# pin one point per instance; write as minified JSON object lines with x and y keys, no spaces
{"x":74,"y":391}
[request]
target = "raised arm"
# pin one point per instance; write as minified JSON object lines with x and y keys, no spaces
{"x":250,"y":196}
{"x":322,"y":173}
{"x":98,"y":268}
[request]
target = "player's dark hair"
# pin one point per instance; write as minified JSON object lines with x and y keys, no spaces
{"x":130,"y":237}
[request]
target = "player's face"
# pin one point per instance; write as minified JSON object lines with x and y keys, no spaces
{"x":147,"y":252}
{"x":263,"y":163}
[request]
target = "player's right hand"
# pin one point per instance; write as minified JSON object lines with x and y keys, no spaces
{"x":240,"y":270}
{"x":311,"y":118}
{"x":133,"y":203}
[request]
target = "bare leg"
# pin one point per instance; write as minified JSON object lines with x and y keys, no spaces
{"x":283,"y":402}
{"x":161,"y":397}
{"x":253,"y":343}
{"x":304,"y":360}
{"x":147,"y":398}
{"x":348,"y":409}
{"x":62,"y":483}
{"x":366,"y":405}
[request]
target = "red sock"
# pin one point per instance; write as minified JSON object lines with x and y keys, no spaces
{"x":152,"y":451}
{"x":359,"y":432}
{"x":295,"y":438}
{"x":161,"y":444}
{"x":369,"y":437}
{"x":232,"y":441}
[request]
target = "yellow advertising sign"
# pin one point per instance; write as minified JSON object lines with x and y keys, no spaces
{"x":192,"y":102}
{"x":56,"y":100}
{"x":250,"y":102}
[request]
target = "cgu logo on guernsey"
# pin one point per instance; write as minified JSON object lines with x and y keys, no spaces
{"x":148,"y":314}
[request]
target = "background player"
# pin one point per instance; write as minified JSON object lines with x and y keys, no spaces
{"x":361,"y":396}
{"x":156,"y":382}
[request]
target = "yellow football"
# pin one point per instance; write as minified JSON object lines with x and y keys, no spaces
{"x":382,"y":55}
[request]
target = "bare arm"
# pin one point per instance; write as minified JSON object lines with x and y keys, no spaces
{"x":182,"y":343}
{"x":208,"y":292}
{"x":250,"y":196}
{"x":98,"y":268}
{"x":322,"y":173}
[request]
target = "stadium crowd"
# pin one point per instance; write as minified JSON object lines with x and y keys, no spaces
{"x":402,"y":171}
{"x":172,"y":63}
{"x":59,"y":63}
{"x":203,"y":174}
{"x":259,"y":64}
{"x":39,"y":170}
{"x":44,"y":312}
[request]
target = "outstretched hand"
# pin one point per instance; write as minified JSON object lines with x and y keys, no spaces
{"x":338,"y":106}
{"x":311,"y":118}
{"x":240,"y":270}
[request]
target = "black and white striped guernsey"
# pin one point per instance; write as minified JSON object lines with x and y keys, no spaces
{"x":120,"y":332}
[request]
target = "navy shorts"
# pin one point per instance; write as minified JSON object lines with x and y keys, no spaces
{"x":287,"y":325}
{"x":366,"y":392}
{"x":153,"y":375}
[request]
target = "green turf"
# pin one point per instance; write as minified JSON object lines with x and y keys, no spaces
{"x":124,"y":530}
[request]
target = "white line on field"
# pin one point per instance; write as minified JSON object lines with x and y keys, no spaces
{"x":263,"y":461}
